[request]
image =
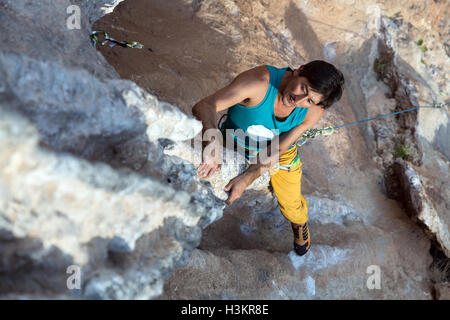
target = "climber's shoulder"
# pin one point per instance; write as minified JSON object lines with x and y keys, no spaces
{"x":313,"y":115}
{"x":246,"y":88}
{"x":255,"y":79}
{"x":253,"y":84}
{"x":259,"y":73}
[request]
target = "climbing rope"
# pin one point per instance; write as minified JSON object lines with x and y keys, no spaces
{"x":312,"y":133}
{"x":125,"y":44}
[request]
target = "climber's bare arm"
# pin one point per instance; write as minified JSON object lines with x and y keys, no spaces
{"x":247,"y":85}
{"x":237,"y":185}
{"x":289,"y":138}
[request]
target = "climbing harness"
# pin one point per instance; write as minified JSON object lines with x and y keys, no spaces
{"x":288,"y":167}
{"x":312,"y":133}
{"x":125,"y":44}
{"x":253,"y":151}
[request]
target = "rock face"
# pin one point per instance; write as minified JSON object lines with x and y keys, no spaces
{"x":443,"y":291}
{"x":118,"y":226}
{"x":125,"y":230}
{"x":97,"y":171}
{"x":353,"y":221}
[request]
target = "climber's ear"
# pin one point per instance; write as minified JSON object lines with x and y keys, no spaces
{"x":296,"y":72}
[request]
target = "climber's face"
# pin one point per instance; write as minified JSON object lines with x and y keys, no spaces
{"x":298,"y":92}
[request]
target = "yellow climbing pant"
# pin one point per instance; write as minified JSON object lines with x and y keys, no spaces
{"x":287,"y":188}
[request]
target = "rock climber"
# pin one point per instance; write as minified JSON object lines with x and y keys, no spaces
{"x":283,"y":100}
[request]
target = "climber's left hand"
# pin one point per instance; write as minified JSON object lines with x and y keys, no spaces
{"x":237,"y":186}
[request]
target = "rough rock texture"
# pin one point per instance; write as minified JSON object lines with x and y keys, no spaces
{"x":346,"y":180}
{"x":125,"y":230}
{"x":411,"y":192}
{"x":95,"y":170}
{"x":417,"y":78}
{"x":443,"y":291}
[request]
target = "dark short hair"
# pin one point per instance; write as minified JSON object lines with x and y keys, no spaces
{"x":325,"y":79}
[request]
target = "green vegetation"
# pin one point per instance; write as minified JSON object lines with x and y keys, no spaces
{"x":384,"y":69}
{"x":421,"y":45}
{"x":403,"y":151}
{"x":380,"y":66}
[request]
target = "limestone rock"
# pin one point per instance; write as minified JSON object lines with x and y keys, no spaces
{"x":98,"y":171}
{"x":419,"y":205}
{"x":352,"y":215}
{"x":58,"y":211}
{"x":60,"y":109}
{"x":443,"y":291}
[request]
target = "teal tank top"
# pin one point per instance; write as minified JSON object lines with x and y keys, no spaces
{"x":242,"y":117}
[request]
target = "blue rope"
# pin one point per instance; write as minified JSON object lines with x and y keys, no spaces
{"x":437,"y":106}
{"x":312,"y":133}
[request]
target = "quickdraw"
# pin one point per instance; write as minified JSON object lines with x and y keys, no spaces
{"x":312,"y":133}
{"x":125,"y":44}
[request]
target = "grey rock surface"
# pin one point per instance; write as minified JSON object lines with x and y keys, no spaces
{"x":70,"y":195}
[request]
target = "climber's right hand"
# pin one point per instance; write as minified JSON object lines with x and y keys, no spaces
{"x":206,"y":170}
{"x":212,"y":160}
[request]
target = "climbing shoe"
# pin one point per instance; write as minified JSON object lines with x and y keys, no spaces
{"x":302,"y":240}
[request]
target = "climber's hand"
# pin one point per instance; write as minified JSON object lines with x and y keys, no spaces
{"x":236,"y":187}
{"x":212,"y":160}
{"x":206,"y":170}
